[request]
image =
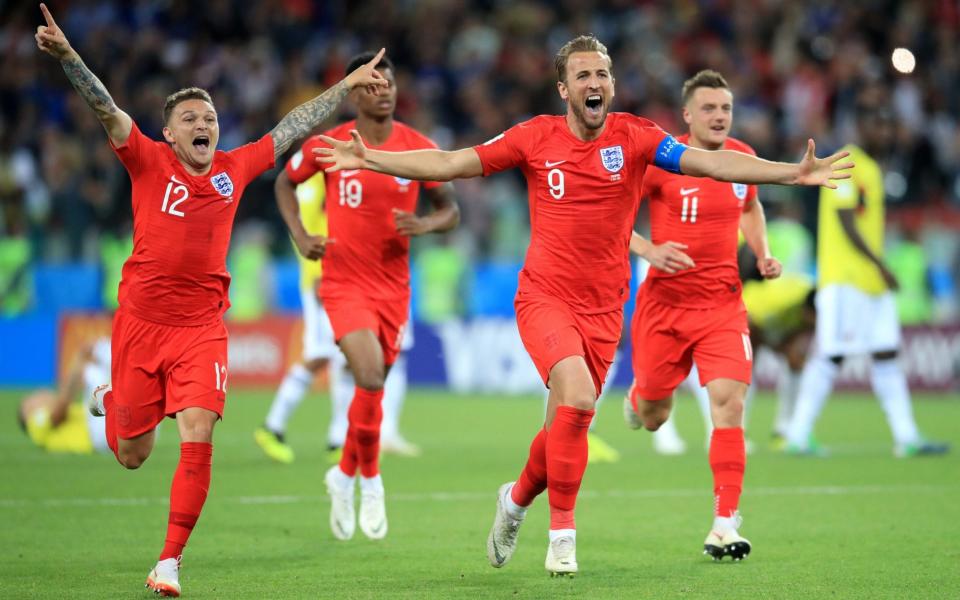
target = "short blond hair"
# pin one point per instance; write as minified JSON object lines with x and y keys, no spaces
{"x":707,"y":78}
{"x":581,"y":43}
{"x":190,"y":93}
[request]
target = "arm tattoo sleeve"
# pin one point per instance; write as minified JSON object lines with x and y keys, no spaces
{"x":305,"y":117}
{"x":90,"y":88}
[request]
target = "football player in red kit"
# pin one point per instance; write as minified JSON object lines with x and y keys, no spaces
{"x":366,"y":283}
{"x":169,"y":343}
{"x":584,"y":171}
{"x":693,"y":311}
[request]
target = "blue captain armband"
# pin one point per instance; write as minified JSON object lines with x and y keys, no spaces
{"x":668,"y":154}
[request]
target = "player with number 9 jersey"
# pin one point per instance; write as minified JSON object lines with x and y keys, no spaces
{"x":583,"y":197}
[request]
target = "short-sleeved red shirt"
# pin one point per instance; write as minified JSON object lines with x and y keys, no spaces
{"x":367,"y":253}
{"x":705,"y":215}
{"x":177,"y":274}
{"x":583,"y":199}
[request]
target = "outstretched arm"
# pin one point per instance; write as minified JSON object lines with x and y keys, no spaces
{"x":422,"y":165}
{"x":50,"y":39}
{"x":444,"y":216}
{"x":753,"y":224}
{"x":730,"y":165}
{"x":302,"y":119}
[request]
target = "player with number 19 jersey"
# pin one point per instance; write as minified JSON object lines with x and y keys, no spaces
{"x":174,"y":286}
{"x":366,"y":268}
{"x":697,"y":314}
{"x":583,"y":198}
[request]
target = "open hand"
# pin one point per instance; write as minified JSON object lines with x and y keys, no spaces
{"x":367,"y":76}
{"x":822,"y":171}
{"x":50,"y":37}
{"x":769,"y":267}
{"x":342,"y":154}
{"x":669,"y":257}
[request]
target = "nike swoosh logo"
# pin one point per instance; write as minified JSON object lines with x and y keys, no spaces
{"x":349,"y":173}
{"x":685,"y":191}
{"x":553,"y":164}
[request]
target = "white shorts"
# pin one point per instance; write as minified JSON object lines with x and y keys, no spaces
{"x":850,"y":321}
{"x":318,"y":339}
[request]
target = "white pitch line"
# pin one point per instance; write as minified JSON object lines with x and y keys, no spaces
{"x":824,"y":490}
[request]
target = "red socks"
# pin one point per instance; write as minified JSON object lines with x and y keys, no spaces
{"x":187,"y":495}
{"x":362,"y":446}
{"x":533,"y":479}
{"x":566,"y":453}
{"x":727,"y":460}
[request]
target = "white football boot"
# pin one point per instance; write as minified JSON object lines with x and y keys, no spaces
{"x":373,"y":513}
{"x":502,"y":540}
{"x":343,"y":518}
{"x":164,"y":579}
{"x":727,"y":541}
{"x":562,"y":557}
{"x":95,"y":401}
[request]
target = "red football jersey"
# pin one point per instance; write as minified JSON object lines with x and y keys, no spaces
{"x":583,"y":200}
{"x":177,"y":274}
{"x":367,"y":252}
{"x":704,"y":214}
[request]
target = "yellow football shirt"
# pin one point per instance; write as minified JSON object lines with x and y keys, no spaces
{"x":838,"y":261}
{"x":313,"y":215}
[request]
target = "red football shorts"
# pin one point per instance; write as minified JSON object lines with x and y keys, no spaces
{"x":551,"y":331}
{"x":667,"y":340}
{"x":351,"y":310}
{"x":159,"y":370}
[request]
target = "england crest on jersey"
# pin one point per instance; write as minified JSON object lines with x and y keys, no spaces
{"x":612,"y":158}
{"x":740,"y":191}
{"x":221,"y":182}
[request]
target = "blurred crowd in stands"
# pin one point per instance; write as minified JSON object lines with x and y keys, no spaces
{"x":467,"y":70}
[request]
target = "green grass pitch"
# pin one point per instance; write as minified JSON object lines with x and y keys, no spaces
{"x":860,"y":524}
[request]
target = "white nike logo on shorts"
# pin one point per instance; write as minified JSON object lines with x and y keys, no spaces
{"x":553,"y":164}
{"x":685,"y":191}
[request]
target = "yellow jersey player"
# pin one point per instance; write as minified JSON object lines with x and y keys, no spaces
{"x":856,"y":309}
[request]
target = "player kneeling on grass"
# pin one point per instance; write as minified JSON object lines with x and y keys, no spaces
{"x":169,"y":344}
{"x":54,"y":421}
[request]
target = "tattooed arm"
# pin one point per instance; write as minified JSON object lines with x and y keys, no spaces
{"x":50,"y":39}
{"x":301,"y":120}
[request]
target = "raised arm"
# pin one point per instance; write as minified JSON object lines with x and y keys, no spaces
{"x":753,"y":224}
{"x":444,"y":216}
{"x":50,"y":39}
{"x":302,"y":119}
{"x":730,"y":165}
{"x":422,"y":165}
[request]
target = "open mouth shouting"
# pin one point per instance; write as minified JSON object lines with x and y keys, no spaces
{"x":594,"y":105}
{"x":202,"y":144}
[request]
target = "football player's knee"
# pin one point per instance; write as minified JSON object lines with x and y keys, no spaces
{"x":653,"y":414}
{"x":584,"y":399}
{"x":199,"y":430}
{"x":134,"y":458}
{"x":370,"y":378}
